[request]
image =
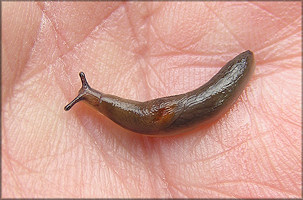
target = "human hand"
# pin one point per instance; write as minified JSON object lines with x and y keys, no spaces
{"x":144,"y":50}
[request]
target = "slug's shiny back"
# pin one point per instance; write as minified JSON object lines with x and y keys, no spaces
{"x":178,"y":113}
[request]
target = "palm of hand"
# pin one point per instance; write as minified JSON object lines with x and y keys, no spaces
{"x":142,"y":51}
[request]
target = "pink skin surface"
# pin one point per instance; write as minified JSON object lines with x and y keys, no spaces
{"x":140,"y":51}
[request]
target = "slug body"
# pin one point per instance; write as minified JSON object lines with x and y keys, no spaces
{"x":174,"y":114}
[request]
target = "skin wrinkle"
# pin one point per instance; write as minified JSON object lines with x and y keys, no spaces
{"x":242,"y":46}
{"x":150,"y":69}
{"x":133,"y":31}
{"x":162,"y":84}
{"x":152,"y":173}
{"x":292,"y":122}
{"x":104,"y":19}
{"x":257,"y":167}
{"x":147,"y":150}
{"x":246,"y":104}
{"x":226,"y":150}
{"x":68,"y":150}
{"x":264,"y":105}
{"x":293,"y":183}
{"x":179,"y":191}
{"x":226,"y":195}
{"x":145,"y":81}
{"x":157,"y":36}
{"x":108,"y":162}
{"x":71,"y":47}
{"x":165,"y":180}
{"x":146,"y":74}
{"x":81,"y":182}
{"x":115,"y":171}
{"x":27,"y":121}
{"x":36,"y":103}
{"x":290,"y":40}
{"x":290,"y":30}
{"x":285,"y":120}
{"x":272,"y":43}
{"x":14,"y":175}
{"x":217,"y":184}
{"x":135,"y":35}
{"x":43,"y":178}
{"x":54,"y":28}
{"x":188,"y":46}
{"x":294,"y":153}
{"x":16,"y":77}
{"x":35,"y":70}
{"x":124,"y":48}
{"x":275,"y":71}
{"x":286,"y":138}
{"x":276,"y":17}
{"x":281,"y":42}
{"x":195,"y":54}
{"x":153,"y":12}
{"x":280,"y":39}
{"x":294,"y":150}
{"x":265,"y":163}
{"x":125,"y":160}
{"x":271,"y":163}
{"x":119,"y":141}
{"x":58,"y":188}
{"x":267,"y":12}
{"x":195,"y":144}
{"x":278,"y":60}
{"x":194,"y":40}
{"x":273,"y":111}
{"x":25,"y":170}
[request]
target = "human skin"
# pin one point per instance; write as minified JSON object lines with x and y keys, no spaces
{"x":141,"y":51}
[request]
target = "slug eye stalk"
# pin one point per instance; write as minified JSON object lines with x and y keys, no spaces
{"x":85,"y":87}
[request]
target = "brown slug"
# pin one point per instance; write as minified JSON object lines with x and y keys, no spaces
{"x":174,"y":114}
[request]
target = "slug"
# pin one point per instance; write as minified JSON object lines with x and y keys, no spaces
{"x":178,"y":113}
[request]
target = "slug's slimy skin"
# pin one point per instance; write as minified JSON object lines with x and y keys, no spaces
{"x":174,"y":114}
